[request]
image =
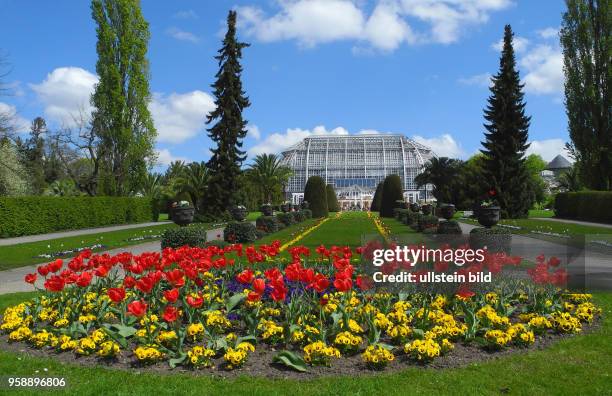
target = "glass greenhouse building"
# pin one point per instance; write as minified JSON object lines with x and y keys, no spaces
{"x":355,"y":164}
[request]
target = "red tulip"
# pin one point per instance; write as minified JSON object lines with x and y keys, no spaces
{"x":43,"y":270}
{"x":84,"y":279}
{"x":259,"y":286}
{"x":343,"y":284}
{"x":171,"y":295}
{"x":175,"y":277}
{"x":320,"y":283}
{"x":56,"y":265}
{"x":144,"y":284}
{"x":554,"y":262}
{"x":464,"y":292}
{"x":195,"y":302}
{"x":116,"y":294}
{"x":170,"y":314}
{"x":245,"y":276}
{"x":137,"y":308}
{"x":30,"y":278}
{"x":253,"y":296}
{"x":54,"y":283}
{"x":129,"y":282}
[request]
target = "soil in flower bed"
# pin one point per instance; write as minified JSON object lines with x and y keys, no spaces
{"x":260,"y":362}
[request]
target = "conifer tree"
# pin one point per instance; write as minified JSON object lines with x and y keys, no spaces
{"x":228,"y":127}
{"x":506,"y":137}
{"x":376,"y":200}
{"x":332,"y":199}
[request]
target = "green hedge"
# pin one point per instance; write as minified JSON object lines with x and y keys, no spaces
{"x":585,"y":205}
{"x":39,"y":215}
{"x":192,"y":235}
{"x":267,"y":224}
{"x":240,"y":232}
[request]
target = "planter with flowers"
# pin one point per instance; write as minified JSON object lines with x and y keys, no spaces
{"x":182,"y":213}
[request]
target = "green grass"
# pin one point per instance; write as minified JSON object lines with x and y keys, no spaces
{"x":557,"y":227}
{"x":345,"y":230}
{"x":252,"y":216}
{"x":541,"y":213}
{"x":163,"y":217}
{"x":14,"y":256}
{"x":576,"y":365}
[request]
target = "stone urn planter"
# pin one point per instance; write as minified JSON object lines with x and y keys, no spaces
{"x":426,"y":209}
{"x":447,"y":211}
{"x":305,"y":205}
{"x":286,"y":207}
{"x":239,"y":213}
{"x":267,"y":210}
{"x":183,"y":215}
{"x":415,"y":207}
{"x":488,"y":216}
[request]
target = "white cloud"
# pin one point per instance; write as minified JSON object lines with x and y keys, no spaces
{"x":276,"y":142}
{"x":312,"y":22}
{"x":65,"y":92}
{"x":179,"y":117}
{"x":481,"y":80}
{"x":548,"y":149}
{"x":544,"y":67}
{"x":448,"y":18}
{"x":520,"y":44}
{"x":443,"y":146}
{"x":19,"y":123}
{"x":182,"y":35}
{"x":549,"y":33}
{"x":165,"y":157}
{"x":186,"y":14}
{"x":253,"y":132}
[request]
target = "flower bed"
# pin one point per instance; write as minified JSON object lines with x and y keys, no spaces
{"x":227,"y":308}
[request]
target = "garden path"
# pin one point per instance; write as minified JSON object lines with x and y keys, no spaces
{"x":11,"y":281}
{"x":84,"y":231}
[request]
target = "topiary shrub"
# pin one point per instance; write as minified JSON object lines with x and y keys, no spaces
{"x":496,"y":239}
{"x":376,"y":200}
{"x":240,"y":232}
{"x":411,"y":217}
{"x":415,"y":217}
{"x":40,"y":214}
{"x":585,"y":205}
{"x":449,"y":227}
{"x":392,"y":192}
{"x":307,"y":213}
{"x":402,"y":215}
{"x":332,"y":199}
{"x":285,"y":218}
{"x":192,"y":235}
{"x":267,"y":224}
{"x":316,"y":194}
{"x":426,"y":222}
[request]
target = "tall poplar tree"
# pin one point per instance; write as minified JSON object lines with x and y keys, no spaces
{"x":586,"y":37}
{"x":228,"y":127}
{"x":506,"y":137}
{"x":121,"y":118}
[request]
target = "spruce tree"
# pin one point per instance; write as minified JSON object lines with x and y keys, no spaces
{"x":506,"y":137}
{"x":121,"y":117}
{"x":229,"y":128}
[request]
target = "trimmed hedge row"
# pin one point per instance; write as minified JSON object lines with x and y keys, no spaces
{"x":585,"y":205}
{"x":39,"y":215}
{"x":193,"y":235}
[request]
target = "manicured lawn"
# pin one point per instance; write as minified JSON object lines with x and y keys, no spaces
{"x":541,"y":213}
{"x":252,"y":216}
{"x":576,"y":365}
{"x":23,"y":254}
{"x":345,"y":230}
{"x":555,"y":227}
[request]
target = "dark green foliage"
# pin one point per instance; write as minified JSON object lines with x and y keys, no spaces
{"x":240,"y":232}
{"x":412,"y":218}
{"x":391,"y":193}
{"x":585,"y":205}
{"x":121,"y":119}
{"x":377,"y":199}
{"x":316,"y":194}
{"x":298,"y":216}
{"x":192,"y":235}
{"x":286,"y":219}
{"x":496,"y":239}
{"x":38,"y":215}
{"x":444,"y":174}
{"x":506,"y":137}
{"x":587,"y":56}
{"x":426,"y":222}
{"x":307,"y":213}
{"x":402,"y":215}
{"x":267,"y":224}
{"x":228,"y":127}
{"x":449,"y":227}
{"x":332,"y":199}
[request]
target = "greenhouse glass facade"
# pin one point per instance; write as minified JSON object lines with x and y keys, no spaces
{"x":355,"y":164}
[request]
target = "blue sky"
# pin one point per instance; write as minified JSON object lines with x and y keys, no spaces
{"x":416,"y":67}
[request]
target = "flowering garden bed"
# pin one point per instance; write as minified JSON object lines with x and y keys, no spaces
{"x":247,"y":310}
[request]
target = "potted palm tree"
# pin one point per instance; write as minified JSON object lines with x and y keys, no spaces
{"x":182,"y":213}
